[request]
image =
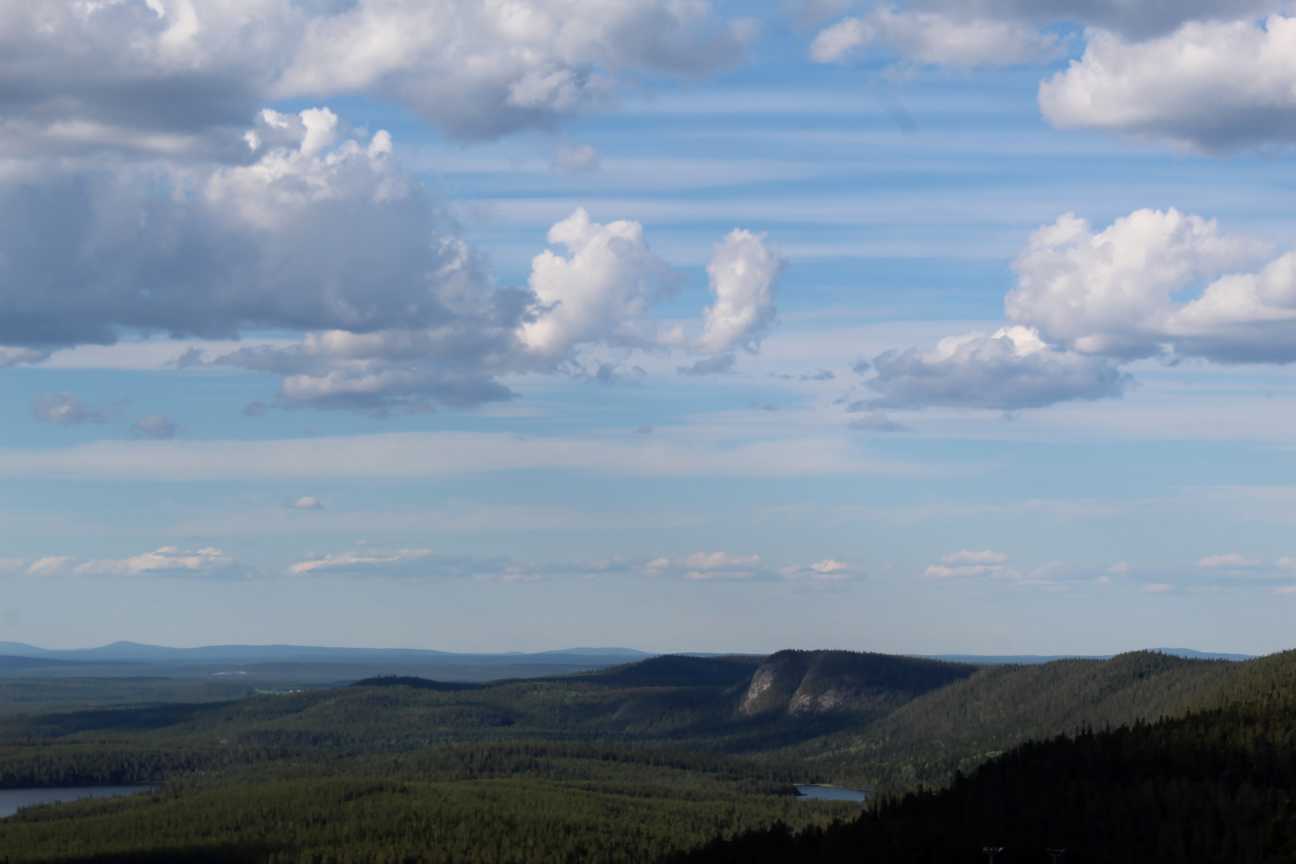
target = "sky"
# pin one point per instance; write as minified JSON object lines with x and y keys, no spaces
{"x":492,"y":325}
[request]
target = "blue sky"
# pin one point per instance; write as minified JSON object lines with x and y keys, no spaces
{"x":319,"y":325}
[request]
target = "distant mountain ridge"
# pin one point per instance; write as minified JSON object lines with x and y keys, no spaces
{"x":1038,"y":659}
{"x":138,"y":652}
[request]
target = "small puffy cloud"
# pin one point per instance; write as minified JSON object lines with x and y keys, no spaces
{"x":743,"y":274}
{"x":599,"y":292}
{"x":64,"y":409}
{"x":1209,"y":85}
{"x":973,"y":564}
{"x":935,"y":38}
{"x":829,"y":571}
{"x":154,"y":427}
{"x":975,"y":556}
{"x":308,"y":502}
{"x":730,"y":567}
{"x":1121,"y":568}
{"x":1009,"y":370}
{"x":970,"y":564}
{"x":709,"y":567}
{"x":51,"y":565}
{"x":1229,"y":561}
{"x":576,"y":158}
{"x":962,"y":571}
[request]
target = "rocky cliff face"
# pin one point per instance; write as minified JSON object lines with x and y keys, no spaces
{"x":801,"y":683}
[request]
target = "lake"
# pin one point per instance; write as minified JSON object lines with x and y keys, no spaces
{"x":13,"y":800}
{"x":831,"y":793}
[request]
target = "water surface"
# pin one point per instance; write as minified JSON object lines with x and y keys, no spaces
{"x":831,"y":793}
{"x":13,"y":800}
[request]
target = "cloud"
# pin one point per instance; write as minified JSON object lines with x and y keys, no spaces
{"x":320,"y":230}
{"x":1154,"y":283}
{"x":935,"y":38}
{"x":731,"y":567}
{"x":719,"y":364}
{"x":155,"y":427}
{"x":971,"y":564}
{"x":709,"y":567}
{"x":308,"y":502}
{"x":168,"y":561}
{"x":1008,"y":370}
{"x":1208,"y":75}
{"x":64,"y":409}
{"x":1134,"y":20}
{"x":601,"y":291}
{"x":355,"y":563}
{"x":576,"y":158}
{"x":743,"y":273}
{"x":175,"y":78}
{"x":1229,"y":561}
{"x":10,"y":357}
{"x":817,"y":375}
{"x":484,"y":69}
{"x":51,"y":565}
{"x":418,"y":564}
{"x":829,"y":571}
{"x":867,"y":420}
{"x":975,"y":556}
{"x":1211,"y":86}
{"x":1157,"y":282}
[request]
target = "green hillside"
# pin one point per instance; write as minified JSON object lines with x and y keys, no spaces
{"x":630,"y":763}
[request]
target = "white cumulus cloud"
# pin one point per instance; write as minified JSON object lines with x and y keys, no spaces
{"x":1209,"y":85}
{"x":743,"y":274}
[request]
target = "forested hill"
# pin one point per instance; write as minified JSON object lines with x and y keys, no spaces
{"x":924,"y":741}
{"x":654,"y":758}
{"x":1217,"y":786}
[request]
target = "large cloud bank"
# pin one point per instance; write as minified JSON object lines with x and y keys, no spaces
{"x":1154,"y":283}
{"x":146,"y":189}
{"x":1207,"y":75}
